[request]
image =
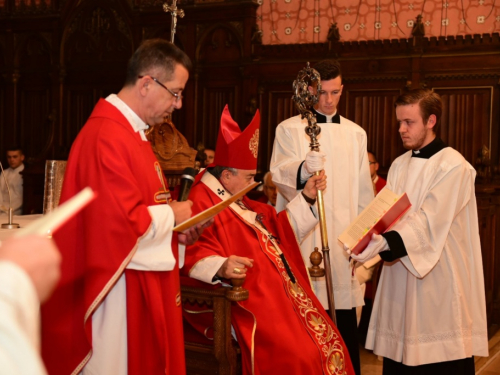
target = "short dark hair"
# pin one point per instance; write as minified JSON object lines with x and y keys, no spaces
{"x":374,"y":156}
{"x":429,"y":102}
{"x":15,"y":148}
{"x":328,"y":69}
{"x":217,"y":171}
{"x":156,"y":53}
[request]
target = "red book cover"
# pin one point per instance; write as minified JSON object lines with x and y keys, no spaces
{"x":378,"y":217}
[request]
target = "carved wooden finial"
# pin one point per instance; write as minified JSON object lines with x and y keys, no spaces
{"x":237,"y":292}
{"x":316,"y":258}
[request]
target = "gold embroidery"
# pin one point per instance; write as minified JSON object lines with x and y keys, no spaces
{"x":321,"y":331}
{"x":254,"y":144}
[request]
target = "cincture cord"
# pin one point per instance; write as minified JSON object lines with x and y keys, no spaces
{"x":258,"y":218}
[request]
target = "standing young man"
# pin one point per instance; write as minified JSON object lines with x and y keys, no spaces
{"x":429,"y":314}
{"x":344,"y":158}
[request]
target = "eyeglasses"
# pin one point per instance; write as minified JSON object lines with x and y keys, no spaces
{"x":175,"y":95}
{"x":372,"y":162}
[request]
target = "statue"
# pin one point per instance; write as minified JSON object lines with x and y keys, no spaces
{"x":333,"y":33}
{"x":418,"y":27}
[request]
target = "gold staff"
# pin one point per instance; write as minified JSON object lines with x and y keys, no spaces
{"x":304,"y":100}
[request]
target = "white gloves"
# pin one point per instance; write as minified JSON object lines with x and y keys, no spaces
{"x":376,"y":245}
{"x":315,"y":161}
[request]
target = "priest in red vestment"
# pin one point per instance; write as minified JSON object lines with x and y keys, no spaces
{"x":117,"y":307}
{"x":282,"y":327}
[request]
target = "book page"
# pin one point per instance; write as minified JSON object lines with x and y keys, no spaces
{"x":369,"y":217}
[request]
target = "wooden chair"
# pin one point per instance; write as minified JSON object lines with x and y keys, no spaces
{"x":214,"y":351}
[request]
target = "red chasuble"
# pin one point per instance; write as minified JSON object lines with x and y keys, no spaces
{"x":98,"y":244}
{"x":282,"y":327}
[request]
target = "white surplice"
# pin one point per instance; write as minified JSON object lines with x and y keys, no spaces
{"x":15,"y":181}
{"x":430,"y":305}
{"x":349,"y":190}
{"x":19,"y":323}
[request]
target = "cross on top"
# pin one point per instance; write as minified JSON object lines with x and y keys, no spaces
{"x":174,"y":11}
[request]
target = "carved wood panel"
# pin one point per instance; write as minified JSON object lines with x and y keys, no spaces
{"x":212,"y":102}
{"x":466,"y":124}
{"x":78,"y":105}
{"x":34,"y":95}
{"x":277,"y":106}
{"x":373,"y":110}
{"x":488,"y":204}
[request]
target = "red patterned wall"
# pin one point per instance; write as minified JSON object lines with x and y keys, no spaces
{"x":308,"y":21}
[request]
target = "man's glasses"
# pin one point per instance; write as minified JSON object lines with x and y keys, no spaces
{"x":175,"y":95}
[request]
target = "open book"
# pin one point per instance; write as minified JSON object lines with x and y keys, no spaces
{"x":209,"y":213}
{"x":378,"y":217}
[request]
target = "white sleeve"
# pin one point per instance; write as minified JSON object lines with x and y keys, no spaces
{"x":366,"y":193}
{"x":206,"y":269}
{"x":19,"y":323}
{"x":303,"y":216}
{"x":426,"y":230}
{"x":285,"y":163}
{"x":154,"y":249}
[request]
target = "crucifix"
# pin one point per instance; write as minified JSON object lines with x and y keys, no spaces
{"x":175,"y":12}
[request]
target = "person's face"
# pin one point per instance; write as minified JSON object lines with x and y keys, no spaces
{"x":373,"y":165}
{"x":235,"y":183}
{"x":329,"y":96}
{"x":15,"y":158}
{"x":210,"y":157}
{"x":270,"y":191}
{"x":159,"y":101}
{"x":414,"y":133}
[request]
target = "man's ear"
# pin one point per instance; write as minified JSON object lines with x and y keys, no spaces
{"x":143,"y":85}
{"x":431,"y":121}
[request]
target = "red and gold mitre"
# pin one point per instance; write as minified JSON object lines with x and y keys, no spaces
{"x":237,"y":149}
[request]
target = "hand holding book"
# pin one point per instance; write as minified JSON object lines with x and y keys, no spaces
{"x":378,"y":217}
{"x":376,"y":245}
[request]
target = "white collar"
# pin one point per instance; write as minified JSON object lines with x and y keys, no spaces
{"x":135,"y":121}
{"x":328,"y":117}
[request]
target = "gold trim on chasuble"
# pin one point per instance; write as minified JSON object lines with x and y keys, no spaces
{"x":318,"y":328}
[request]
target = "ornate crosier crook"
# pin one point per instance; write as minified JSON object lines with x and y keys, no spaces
{"x":304,"y":100}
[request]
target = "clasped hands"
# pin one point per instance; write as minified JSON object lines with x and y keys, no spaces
{"x":376,"y":245}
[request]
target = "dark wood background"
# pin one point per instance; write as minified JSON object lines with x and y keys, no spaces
{"x":57,"y":60}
